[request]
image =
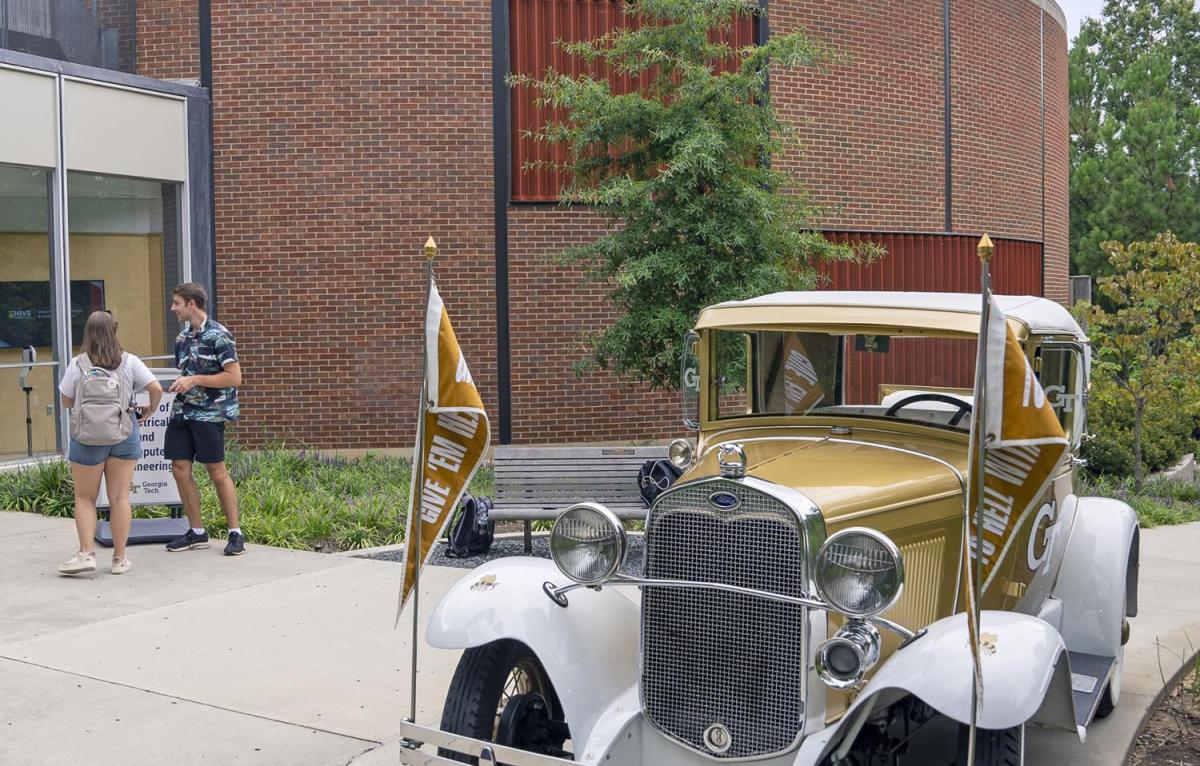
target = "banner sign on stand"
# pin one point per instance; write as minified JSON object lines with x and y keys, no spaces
{"x":152,"y":482}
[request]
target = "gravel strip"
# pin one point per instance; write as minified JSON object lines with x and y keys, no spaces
{"x":511,"y":546}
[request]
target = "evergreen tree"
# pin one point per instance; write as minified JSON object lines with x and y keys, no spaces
{"x":683,"y":170}
{"x":1135,"y":127}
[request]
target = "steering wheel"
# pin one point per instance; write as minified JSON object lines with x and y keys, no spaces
{"x":963,"y":407}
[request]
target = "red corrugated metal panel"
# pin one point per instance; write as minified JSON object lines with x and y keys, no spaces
{"x":927,"y":262}
{"x":938,"y":263}
{"x":534,"y":25}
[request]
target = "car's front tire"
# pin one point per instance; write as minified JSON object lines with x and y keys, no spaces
{"x":501,"y":693}
{"x":993,"y":747}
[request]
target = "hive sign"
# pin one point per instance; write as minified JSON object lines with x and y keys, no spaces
{"x":152,"y":481}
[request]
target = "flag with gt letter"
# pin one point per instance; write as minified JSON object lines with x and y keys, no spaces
{"x":456,"y":435}
{"x":1023,"y":445}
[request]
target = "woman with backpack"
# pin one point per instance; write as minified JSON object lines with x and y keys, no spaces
{"x":98,"y":387}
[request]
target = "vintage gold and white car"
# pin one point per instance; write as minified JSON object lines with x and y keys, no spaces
{"x":798,"y":602}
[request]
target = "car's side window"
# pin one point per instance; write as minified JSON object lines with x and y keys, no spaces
{"x":1061,"y":375}
{"x":729,"y":393}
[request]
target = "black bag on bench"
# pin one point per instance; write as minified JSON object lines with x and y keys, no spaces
{"x":471,"y":532}
{"x":654,"y":477}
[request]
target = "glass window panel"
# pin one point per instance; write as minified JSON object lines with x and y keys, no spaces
{"x":125,"y":249}
{"x":1060,"y":377}
{"x":98,"y":33}
{"x":28,"y":396}
{"x":801,"y":373}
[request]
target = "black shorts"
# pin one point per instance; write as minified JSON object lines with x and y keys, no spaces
{"x":198,"y":440}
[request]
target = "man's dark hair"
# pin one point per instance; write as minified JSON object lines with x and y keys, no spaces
{"x":190,"y":291}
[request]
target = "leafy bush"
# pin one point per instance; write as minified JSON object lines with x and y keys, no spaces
{"x":288,"y":498}
{"x":44,"y":488}
{"x":1166,"y":431}
{"x":1145,"y":328}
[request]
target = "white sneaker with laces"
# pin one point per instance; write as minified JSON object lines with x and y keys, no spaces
{"x":79,"y":563}
{"x":121,"y":566}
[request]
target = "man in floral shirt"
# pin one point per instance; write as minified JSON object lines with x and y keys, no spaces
{"x":205,"y":398}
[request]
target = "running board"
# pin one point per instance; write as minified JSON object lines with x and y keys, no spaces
{"x":1089,"y":676}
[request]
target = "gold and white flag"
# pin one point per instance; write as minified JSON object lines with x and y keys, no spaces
{"x":802,"y":389}
{"x":456,"y":437}
{"x":1024,"y":444}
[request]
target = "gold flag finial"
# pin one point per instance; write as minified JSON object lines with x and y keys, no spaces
{"x":431,"y":249}
{"x":986,"y":249}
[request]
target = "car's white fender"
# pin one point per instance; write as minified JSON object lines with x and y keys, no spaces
{"x":1097,"y":583}
{"x":589,"y":648}
{"x":1026,"y":676}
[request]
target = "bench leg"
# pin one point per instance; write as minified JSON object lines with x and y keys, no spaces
{"x":528,"y":536}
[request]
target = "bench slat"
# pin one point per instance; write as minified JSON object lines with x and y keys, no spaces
{"x":506,"y":450}
{"x":540,"y":482}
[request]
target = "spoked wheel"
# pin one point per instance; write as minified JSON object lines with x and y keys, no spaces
{"x":501,"y":693}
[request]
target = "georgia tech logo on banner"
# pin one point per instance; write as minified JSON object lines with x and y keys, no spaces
{"x":1024,"y":445}
{"x":456,"y":437}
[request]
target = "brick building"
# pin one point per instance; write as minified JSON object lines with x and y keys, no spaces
{"x":343,"y":134}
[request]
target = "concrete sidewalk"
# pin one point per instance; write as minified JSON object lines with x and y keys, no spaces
{"x":283,"y":657}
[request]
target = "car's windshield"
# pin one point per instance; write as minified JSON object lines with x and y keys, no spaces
{"x":797,"y":373}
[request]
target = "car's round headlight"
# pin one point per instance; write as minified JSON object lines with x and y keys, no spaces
{"x":859,"y":572}
{"x":588,"y":543}
{"x":680,"y":453}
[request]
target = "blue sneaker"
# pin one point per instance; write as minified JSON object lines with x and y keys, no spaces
{"x":187,"y":541}
{"x":236,"y":545}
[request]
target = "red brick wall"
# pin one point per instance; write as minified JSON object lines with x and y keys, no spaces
{"x":1058,"y":142}
{"x":550,"y":312}
{"x":168,"y":38}
{"x":347,"y":133}
{"x":996,"y":101}
{"x":870,"y":129}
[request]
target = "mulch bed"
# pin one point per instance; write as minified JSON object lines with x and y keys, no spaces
{"x":1172,"y":736}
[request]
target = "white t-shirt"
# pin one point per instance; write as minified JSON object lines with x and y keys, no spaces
{"x":133,"y":371}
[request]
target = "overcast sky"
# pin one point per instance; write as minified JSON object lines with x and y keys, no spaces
{"x":1077,"y":10}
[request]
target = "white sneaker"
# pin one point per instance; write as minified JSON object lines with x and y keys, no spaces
{"x":121,"y":566}
{"x":79,"y":563}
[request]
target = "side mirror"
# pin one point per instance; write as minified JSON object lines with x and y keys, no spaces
{"x":689,"y":381}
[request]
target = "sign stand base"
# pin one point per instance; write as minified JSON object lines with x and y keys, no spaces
{"x":146,"y":530}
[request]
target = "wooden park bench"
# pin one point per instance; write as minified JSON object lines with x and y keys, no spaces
{"x":535,"y":483}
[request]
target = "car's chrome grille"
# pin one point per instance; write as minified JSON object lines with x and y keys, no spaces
{"x":712,"y":657}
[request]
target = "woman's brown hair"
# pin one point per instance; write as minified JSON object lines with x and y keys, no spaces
{"x":100,"y":340}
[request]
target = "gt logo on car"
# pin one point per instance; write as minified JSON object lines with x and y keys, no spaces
{"x":1041,"y":537}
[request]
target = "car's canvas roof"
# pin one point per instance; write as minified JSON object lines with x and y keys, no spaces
{"x":956,"y":313}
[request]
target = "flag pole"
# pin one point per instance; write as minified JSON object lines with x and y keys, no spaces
{"x":418,"y":472}
{"x":985,"y":250}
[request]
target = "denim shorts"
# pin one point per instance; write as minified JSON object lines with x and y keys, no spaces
{"x":91,"y":454}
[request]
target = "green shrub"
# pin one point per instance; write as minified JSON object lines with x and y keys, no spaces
{"x":1161,"y":502}
{"x":1166,"y":432}
{"x":44,"y":488}
{"x":287,"y":498}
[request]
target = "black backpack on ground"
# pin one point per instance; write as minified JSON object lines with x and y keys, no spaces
{"x":471,"y":532}
{"x":654,"y":477}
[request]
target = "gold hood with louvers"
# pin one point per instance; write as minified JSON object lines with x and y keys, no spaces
{"x":847,"y":477}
